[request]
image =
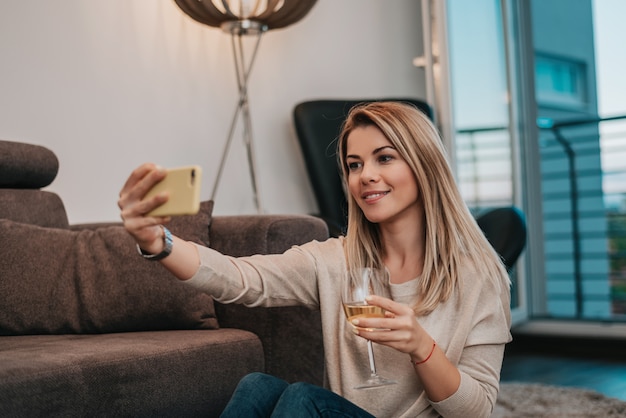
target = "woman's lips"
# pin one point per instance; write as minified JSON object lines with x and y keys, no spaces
{"x":371,"y":197}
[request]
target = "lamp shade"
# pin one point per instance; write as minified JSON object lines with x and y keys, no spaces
{"x":271,"y":14}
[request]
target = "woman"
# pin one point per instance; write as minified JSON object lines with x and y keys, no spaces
{"x":449,"y":319}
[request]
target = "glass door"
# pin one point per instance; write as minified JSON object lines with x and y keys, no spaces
{"x":472,"y":73}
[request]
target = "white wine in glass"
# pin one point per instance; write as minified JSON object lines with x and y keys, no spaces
{"x":357,"y":285}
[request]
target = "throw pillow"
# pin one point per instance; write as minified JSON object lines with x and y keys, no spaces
{"x":55,"y":281}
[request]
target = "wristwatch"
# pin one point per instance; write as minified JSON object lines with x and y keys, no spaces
{"x":168,"y":242}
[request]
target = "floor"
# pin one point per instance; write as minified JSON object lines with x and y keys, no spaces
{"x":598,"y":365}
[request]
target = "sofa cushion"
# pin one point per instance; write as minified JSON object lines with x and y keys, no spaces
{"x":180,"y":373}
{"x":55,"y":281}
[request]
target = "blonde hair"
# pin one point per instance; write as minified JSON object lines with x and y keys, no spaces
{"x":452,"y":236}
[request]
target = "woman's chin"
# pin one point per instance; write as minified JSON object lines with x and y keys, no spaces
{"x":375,"y":218}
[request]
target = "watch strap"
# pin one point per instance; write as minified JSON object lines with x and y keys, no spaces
{"x":168,"y":243}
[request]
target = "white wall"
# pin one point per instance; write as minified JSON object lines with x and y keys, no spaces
{"x":108,"y":84}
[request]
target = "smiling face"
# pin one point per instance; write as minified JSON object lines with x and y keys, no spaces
{"x":379,"y":179}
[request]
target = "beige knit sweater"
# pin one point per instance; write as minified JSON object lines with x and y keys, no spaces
{"x":471,"y":330}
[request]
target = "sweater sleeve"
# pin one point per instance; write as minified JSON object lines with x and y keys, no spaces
{"x":475,"y":396}
{"x":486,"y":318}
{"x":261,"y":280}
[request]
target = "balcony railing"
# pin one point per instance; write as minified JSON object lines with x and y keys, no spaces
{"x":585,"y":142}
{"x":483,"y":156}
{"x":583,"y":171}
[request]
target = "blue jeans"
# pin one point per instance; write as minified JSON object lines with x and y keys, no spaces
{"x":262,"y":395}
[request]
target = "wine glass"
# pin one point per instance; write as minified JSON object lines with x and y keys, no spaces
{"x":357,"y":285}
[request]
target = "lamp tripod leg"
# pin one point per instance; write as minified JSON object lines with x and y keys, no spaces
{"x":229,"y":140}
{"x":247,"y":134}
{"x":243,"y":107}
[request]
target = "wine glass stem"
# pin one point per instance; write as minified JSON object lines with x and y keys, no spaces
{"x":370,"y":353}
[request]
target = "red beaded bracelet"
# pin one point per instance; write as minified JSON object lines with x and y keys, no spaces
{"x":417,"y":363}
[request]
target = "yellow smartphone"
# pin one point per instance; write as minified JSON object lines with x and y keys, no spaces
{"x":183,"y":186}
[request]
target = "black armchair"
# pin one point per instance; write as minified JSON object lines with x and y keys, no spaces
{"x":505,"y":229}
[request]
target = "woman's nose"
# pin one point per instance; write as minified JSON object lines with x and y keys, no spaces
{"x":369,"y":173}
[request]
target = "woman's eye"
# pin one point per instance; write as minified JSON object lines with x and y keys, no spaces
{"x":353,"y":166}
{"x":385,"y":158}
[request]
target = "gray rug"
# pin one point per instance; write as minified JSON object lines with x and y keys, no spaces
{"x":536,"y":400}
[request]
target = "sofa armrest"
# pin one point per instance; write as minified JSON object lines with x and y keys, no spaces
{"x":291,"y":336}
{"x":291,"y":339}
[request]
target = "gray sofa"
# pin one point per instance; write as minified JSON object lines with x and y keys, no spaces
{"x":88,"y":328}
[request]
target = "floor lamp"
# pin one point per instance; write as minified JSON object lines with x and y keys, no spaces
{"x":242,"y":18}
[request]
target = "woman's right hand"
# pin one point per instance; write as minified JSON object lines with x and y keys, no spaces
{"x":134,"y":207}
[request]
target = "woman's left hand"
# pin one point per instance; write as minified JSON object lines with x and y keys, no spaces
{"x":399,"y":329}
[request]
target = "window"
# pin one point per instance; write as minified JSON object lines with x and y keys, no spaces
{"x":559,"y":81}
